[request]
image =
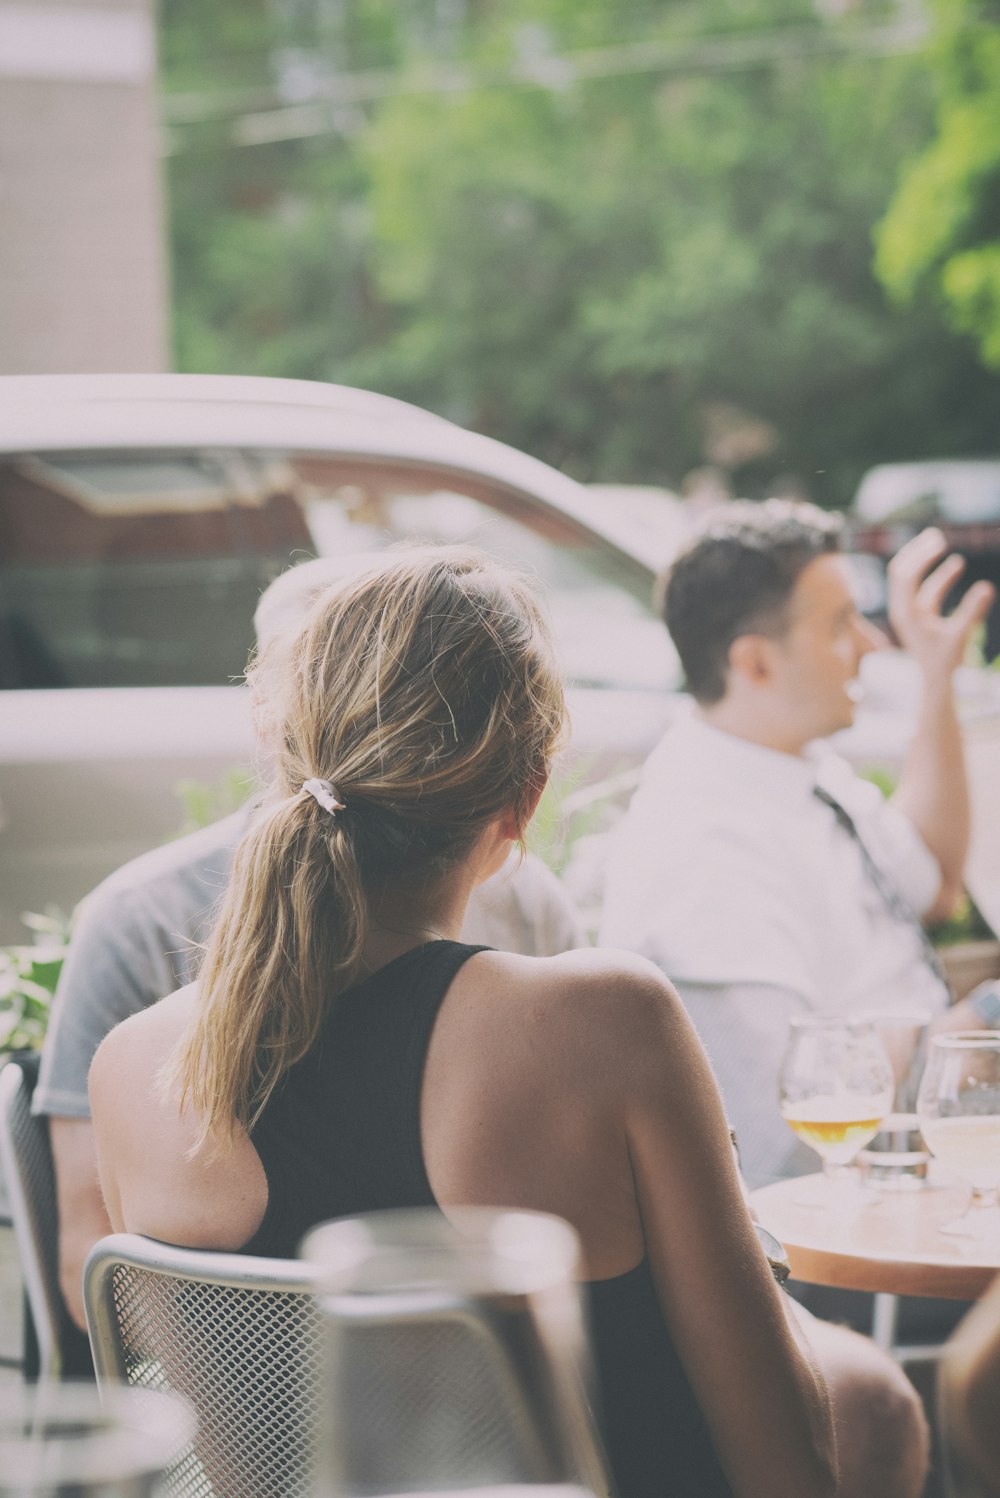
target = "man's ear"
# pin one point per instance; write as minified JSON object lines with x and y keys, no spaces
{"x":751,"y":658}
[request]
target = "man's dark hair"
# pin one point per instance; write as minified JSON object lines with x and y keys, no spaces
{"x":735,"y":577}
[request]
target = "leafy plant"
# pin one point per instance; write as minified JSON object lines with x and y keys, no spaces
{"x":575,"y":806}
{"x":28,"y":978}
{"x":881,"y":776}
{"x":571,"y":828}
{"x":29,"y":972}
{"x":206,"y":801}
{"x":967,"y":924}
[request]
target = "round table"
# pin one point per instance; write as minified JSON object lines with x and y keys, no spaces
{"x":883,"y":1241}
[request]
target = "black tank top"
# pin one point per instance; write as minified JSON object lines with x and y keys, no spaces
{"x":341,"y":1135}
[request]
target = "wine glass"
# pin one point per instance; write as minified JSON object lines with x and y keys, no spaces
{"x":69,"y":1441}
{"x":456,"y":1356}
{"x":836,"y":1086}
{"x":959,"y":1109}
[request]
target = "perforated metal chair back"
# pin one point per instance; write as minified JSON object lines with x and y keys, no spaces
{"x":237,"y":1336}
{"x":26,"y":1162}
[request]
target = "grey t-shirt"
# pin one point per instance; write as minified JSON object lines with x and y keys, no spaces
{"x":137,"y":937}
{"x":140,"y":935}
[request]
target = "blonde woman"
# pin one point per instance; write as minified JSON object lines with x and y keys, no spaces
{"x":342,"y":1051}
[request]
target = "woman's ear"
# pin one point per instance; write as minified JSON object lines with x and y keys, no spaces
{"x":513,"y":822}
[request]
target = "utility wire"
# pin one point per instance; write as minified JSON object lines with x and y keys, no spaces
{"x":255,"y":119}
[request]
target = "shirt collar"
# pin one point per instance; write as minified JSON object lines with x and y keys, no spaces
{"x":739,"y":762}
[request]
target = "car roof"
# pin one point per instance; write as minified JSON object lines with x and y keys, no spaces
{"x":962,"y":490}
{"x":59,"y":413}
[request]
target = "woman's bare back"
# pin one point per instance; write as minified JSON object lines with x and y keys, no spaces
{"x":572,"y":1084}
{"x":521,"y":1105}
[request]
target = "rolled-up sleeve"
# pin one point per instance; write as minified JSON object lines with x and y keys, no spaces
{"x":894,"y":843}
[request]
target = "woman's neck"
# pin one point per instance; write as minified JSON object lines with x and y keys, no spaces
{"x":411,"y":913}
{"x":403,"y":921}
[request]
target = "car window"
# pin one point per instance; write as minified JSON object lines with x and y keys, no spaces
{"x":144,"y":568}
{"x":133,"y":569}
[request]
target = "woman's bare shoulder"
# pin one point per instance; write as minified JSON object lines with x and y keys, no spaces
{"x":600,"y":974}
{"x":597,"y":1000}
{"x":140,"y":1043}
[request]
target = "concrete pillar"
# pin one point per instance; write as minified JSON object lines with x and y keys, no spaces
{"x":82,"y":261}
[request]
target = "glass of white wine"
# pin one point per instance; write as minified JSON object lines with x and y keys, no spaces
{"x":836,"y":1086}
{"x":959,"y":1109}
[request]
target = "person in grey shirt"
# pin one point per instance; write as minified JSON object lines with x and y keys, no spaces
{"x":139,"y":936}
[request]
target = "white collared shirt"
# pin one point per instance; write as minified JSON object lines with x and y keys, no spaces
{"x":728,"y":869}
{"x":731,"y":875}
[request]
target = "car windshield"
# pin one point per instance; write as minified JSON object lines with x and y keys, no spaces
{"x":144,"y":568}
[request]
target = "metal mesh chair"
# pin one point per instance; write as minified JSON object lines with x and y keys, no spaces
{"x":26,"y":1161}
{"x":238,"y":1337}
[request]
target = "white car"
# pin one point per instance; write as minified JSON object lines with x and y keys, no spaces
{"x":142,"y":516}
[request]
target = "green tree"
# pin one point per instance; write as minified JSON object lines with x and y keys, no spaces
{"x":593,"y":273}
{"x":594,"y":231}
{"x":940,"y":241}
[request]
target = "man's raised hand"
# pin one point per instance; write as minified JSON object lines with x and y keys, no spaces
{"x":917,"y":591}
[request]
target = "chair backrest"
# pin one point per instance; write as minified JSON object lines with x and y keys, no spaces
{"x":237,"y":1336}
{"x":26,"y":1162}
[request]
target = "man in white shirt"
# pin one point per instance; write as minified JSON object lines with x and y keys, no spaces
{"x":753,"y":866}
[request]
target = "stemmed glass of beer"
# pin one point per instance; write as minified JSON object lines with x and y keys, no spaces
{"x":836,"y":1086}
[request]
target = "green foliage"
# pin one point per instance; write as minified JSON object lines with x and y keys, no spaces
{"x":967,"y":924}
{"x":28,"y":977}
{"x":29,"y":974}
{"x":590,"y":275}
{"x":586,"y":230}
{"x":940,"y":240}
{"x":879,"y":775}
{"x":572,"y":807}
{"x":207,"y":801}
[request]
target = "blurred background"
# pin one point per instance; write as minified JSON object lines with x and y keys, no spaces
{"x":745,"y":246}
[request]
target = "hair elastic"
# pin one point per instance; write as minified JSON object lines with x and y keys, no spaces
{"x":325,"y":793}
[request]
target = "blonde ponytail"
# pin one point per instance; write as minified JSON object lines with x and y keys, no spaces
{"x":427,"y":694}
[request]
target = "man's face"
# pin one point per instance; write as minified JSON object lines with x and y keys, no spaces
{"x":816,"y":659}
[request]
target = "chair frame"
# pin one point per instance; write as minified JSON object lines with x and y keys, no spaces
{"x":37,"y":1244}
{"x":199,"y":1270}
{"x":244,"y":1273}
{"x":206,"y":1266}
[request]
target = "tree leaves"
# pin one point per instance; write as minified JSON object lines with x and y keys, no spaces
{"x":587,"y":260}
{"x":940,"y":240}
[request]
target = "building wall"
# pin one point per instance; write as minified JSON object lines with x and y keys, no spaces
{"x":82,"y":259}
